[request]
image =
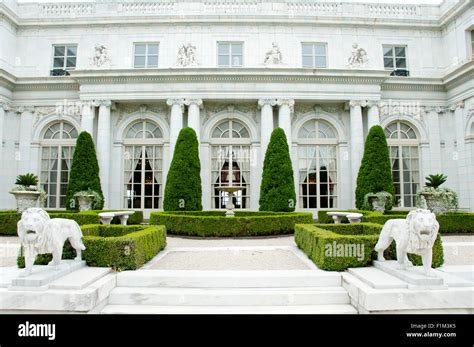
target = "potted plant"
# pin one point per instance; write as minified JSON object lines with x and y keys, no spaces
{"x":88,"y":199}
{"x":27,"y":193}
{"x":380,"y":201}
{"x":438,"y":200}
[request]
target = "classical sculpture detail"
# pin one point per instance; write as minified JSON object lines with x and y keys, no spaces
{"x":416,"y":235}
{"x":39,"y":234}
{"x":187,"y":56}
{"x":273,"y":56}
{"x":358,"y":56}
{"x":101,"y":56}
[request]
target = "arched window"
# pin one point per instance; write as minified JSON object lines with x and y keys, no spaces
{"x":230,"y":163}
{"x":143,"y":165}
{"x":404,"y":156}
{"x":57,"y":148}
{"x":317,"y":165}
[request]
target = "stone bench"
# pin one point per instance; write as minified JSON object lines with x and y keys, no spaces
{"x":351,"y":216}
{"x":106,"y":217}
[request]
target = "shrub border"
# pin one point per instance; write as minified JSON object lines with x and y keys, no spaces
{"x":216,"y":224}
{"x":312,"y":240}
{"x":124,"y":248}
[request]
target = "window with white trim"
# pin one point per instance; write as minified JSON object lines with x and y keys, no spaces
{"x":317,"y":165}
{"x":404,"y":150}
{"x":143,"y":165}
{"x":314,"y":55}
{"x":64,"y":57}
{"x":145,"y":55}
{"x":230,"y":163}
{"x":395,"y":57}
{"x":230,"y":54}
{"x":472,"y":43}
{"x":57,"y":149}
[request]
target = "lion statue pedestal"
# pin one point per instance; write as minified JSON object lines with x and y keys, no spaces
{"x":39,"y":235}
{"x":416,"y":234}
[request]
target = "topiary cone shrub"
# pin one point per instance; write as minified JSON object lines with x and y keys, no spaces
{"x":84,"y":172}
{"x":277,"y":191}
{"x":183,"y":184}
{"x":375,"y":173}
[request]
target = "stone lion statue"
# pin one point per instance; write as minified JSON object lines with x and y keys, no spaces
{"x":416,"y":234}
{"x":39,"y":234}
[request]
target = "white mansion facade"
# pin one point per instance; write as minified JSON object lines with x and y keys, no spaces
{"x":133,"y":73}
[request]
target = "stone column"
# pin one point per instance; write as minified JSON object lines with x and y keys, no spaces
{"x":459,"y":156}
{"x":26,"y":126}
{"x":357,"y":141}
{"x":432,"y":115}
{"x":373,"y":115}
{"x":176,"y":121}
{"x":194,"y":119}
{"x":284,"y":117}
{"x":3,"y":108}
{"x":87,"y":117}
{"x":103,"y":147}
{"x":266,"y":123}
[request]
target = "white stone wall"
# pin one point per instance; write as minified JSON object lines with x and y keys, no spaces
{"x":437,"y":99}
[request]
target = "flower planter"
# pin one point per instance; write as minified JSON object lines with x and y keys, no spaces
{"x":378,"y":203}
{"x":435,"y":202}
{"x":85,"y":202}
{"x":26,"y":199}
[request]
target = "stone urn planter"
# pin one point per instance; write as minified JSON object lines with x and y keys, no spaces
{"x":377,"y":203}
{"x":26,"y":199}
{"x":435,"y":202}
{"x":85,"y":202}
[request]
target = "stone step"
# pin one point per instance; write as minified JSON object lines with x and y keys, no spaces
{"x":80,"y":279}
{"x":229,"y":279}
{"x":300,"y":309}
{"x":228,"y":296}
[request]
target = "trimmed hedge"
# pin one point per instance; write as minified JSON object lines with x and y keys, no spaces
{"x":9,"y":218}
{"x":116,"y":246}
{"x":216,"y":224}
{"x":183,"y":184}
{"x":277,"y":190}
{"x":375,"y":173}
{"x":321,"y":243}
{"x":451,"y":222}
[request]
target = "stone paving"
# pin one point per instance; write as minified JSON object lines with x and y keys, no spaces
{"x":272,"y":253}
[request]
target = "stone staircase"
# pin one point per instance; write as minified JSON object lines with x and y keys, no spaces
{"x":228,"y":292}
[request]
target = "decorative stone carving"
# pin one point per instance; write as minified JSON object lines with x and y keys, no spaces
{"x":357,"y":103}
{"x":26,"y":199}
{"x":212,"y":109}
{"x":263,"y":102}
{"x":289,"y":102}
{"x":177,"y":101}
{"x":358,"y":57}
{"x":197,"y":102}
{"x":5,"y":106}
{"x":101,"y":56}
{"x":187,"y":56}
{"x":105,"y":103}
{"x":273,"y":56}
{"x":39,"y":234}
{"x":459,"y":104}
{"x":416,"y":235}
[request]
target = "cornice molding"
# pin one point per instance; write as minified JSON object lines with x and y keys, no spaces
{"x":250,"y":75}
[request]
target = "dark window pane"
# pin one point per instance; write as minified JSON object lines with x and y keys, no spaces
{"x":71,"y":62}
{"x":387,"y":52}
{"x":58,"y":62}
{"x":401,"y":63}
{"x":59,"y":51}
{"x":388,"y":63}
{"x":400,"y":51}
{"x":72,"y":51}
